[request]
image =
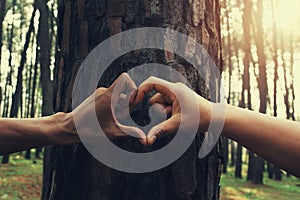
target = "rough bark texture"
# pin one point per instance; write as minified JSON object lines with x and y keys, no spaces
{"x":72,"y":173}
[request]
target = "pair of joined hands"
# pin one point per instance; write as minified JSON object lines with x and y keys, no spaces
{"x":171,"y":99}
{"x":275,"y":139}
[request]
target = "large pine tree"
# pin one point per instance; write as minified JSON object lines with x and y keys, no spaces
{"x":70,"y":171}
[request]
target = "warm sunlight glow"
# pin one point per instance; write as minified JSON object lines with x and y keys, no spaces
{"x":286,"y":13}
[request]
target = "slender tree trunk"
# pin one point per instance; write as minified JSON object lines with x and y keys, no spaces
{"x":245,"y":77}
{"x":44,"y":41}
{"x":28,"y":154}
{"x":74,"y":173}
{"x":263,"y":88}
{"x":292,"y":74}
{"x":2,"y":16}
{"x":34,"y":81}
{"x":238,"y":166}
{"x":18,"y":91}
{"x":229,"y":57}
{"x":250,"y":165}
{"x":232,"y":152}
{"x":247,"y":14}
{"x":270,"y":169}
{"x":29,"y":89}
{"x":226,"y":152}
{"x":5,"y":158}
{"x":16,"y":97}
{"x":277,"y":171}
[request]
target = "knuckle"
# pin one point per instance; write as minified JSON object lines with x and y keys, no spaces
{"x":100,"y":90}
{"x":179,"y":84}
{"x":124,"y":75}
{"x":151,"y":79}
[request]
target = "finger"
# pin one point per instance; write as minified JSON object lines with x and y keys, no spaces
{"x":135,"y":132}
{"x":157,"y":84}
{"x":163,"y":129}
{"x":123,"y":84}
{"x":122,"y":101}
{"x":162,"y":109}
{"x":124,"y":78}
{"x":158,"y":98}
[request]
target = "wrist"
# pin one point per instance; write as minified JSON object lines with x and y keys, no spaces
{"x":205,"y":110}
{"x":65,"y":129}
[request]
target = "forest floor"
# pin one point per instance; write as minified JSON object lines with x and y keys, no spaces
{"x":22,"y":179}
{"x":240,"y":189}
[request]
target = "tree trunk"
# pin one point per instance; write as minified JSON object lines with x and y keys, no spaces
{"x":238,"y":166}
{"x":232,"y":152}
{"x":44,"y":42}
{"x":2,"y":15}
{"x":258,"y":163}
{"x":250,"y":166}
{"x":226,"y":152}
{"x":277,"y":171}
{"x":28,"y":154}
{"x":292,"y":74}
{"x":73,"y":173}
{"x":17,"y":96}
{"x":5,"y":158}
{"x":270,"y":170}
{"x":228,"y":54}
{"x":257,"y":177}
{"x":245,"y":101}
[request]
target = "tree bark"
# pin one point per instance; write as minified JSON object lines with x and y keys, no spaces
{"x":73,"y":172}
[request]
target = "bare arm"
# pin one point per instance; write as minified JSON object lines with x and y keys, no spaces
{"x":20,"y":134}
{"x":60,"y":129}
{"x":277,"y":140}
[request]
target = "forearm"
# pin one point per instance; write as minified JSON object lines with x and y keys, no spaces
{"x":277,"y":140}
{"x":20,"y":134}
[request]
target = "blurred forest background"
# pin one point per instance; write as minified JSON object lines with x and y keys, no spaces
{"x":261,"y":53}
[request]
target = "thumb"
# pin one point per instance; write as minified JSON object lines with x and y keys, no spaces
{"x":163,"y":129}
{"x":134,"y":132}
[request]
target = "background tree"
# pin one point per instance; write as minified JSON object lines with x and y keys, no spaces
{"x":258,"y":162}
{"x":2,"y":15}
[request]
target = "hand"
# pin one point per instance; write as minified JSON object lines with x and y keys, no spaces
{"x":176,"y":99}
{"x":110,"y":104}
